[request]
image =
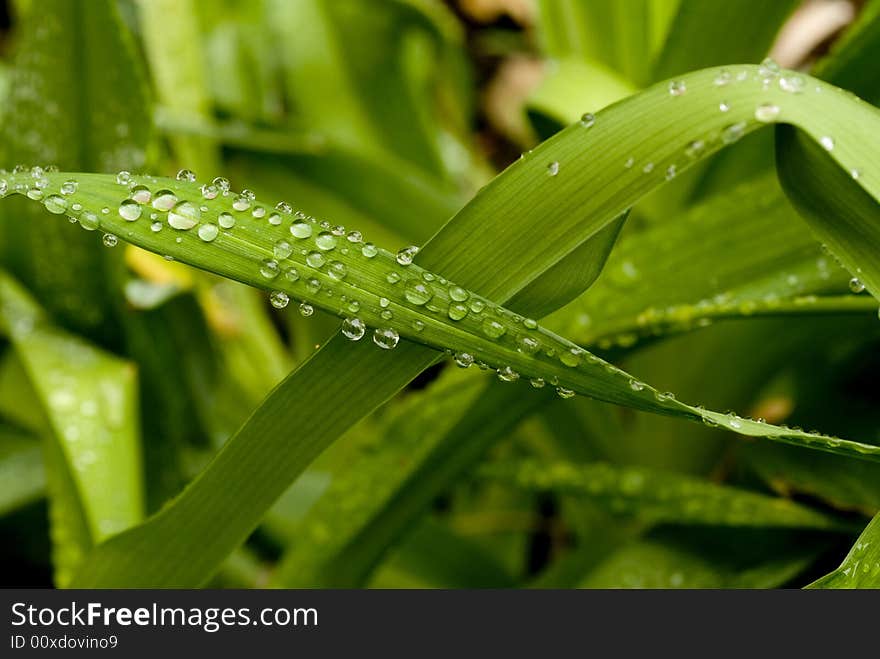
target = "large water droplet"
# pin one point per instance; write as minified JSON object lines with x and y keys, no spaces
{"x":463,"y":359}
{"x":130,"y":210}
{"x":301,"y":230}
{"x":226,"y":220}
{"x":123,"y":178}
{"x":827,"y":142}
{"x":186,"y":175}
{"x":269,"y":269}
{"x":369,"y":250}
{"x":279,"y":299}
{"x":493,"y":329}
{"x":325,"y":241}
{"x":417,"y":293}
{"x":306,"y":309}
{"x":282,"y":249}
{"x":353,"y":329}
{"x":337,"y":270}
{"x":386,"y":338}
{"x":183,"y":216}
{"x":856,"y":285}
{"x":109,"y":240}
{"x":208,"y":232}
{"x":316,"y":259}
{"x":164,"y":200}
{"x":88,"y":220}
{"x":55,"y":204}
{"x":457,"y":311}
{"x":406,"y":255}
{"x":68,"y":187}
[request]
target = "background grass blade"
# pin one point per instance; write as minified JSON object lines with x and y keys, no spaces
{"x":93,"y":447}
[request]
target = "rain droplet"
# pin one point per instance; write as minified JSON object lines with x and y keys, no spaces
{"x":457,"y":311}
{"x":279,"y":299}
{"x":337,"y":270}
{"x":670,"y":172}
{"x":56,"y":204}
{"x":326,"y":241}
{"x":183,"y":216}
{"x":537,"y":383}
{"x":282,"y":249}
{"x":164,"y":200}
{"x":259,"y":213}
{"x":724,"y":106}
{"x":507,"y":374}
{"x":588,"y":119}
{"x":301,"y":230}
{"x":463,"y":359}
{"x":766,"y":112}
{"x":493,"y":329}
{"x":275,"y":219}
{"x":792,"y":83}
{"x":316,"y":259}
{"x":123,"y":178}
{"x":306,"y":309}
{"x":733,"y":132}
{"x":827,"y":142}
{"x":209,"y":191}
{"x":369,"y":250}
{"x":723,"y":78}
{"x":186,"y":175}
{"x":856,"y":174}
{"x":562,"y":392}
{"x":291,"y":275}
{"x":208,"y":232}
{"x":392,"y":277}
{"x":88,"y":221}
{"x":417,"y":293}
{"x":553,"y":168}
{"x":269,"y":269}
{"x":353,"y":329}
{"x":528,"y":345}
{"x":130,"y":210}
{"x":222,"y":184}
{"x":856,"y":285}
{"x":226,"y":220}
{"x":385,"y":338}
{"x":405,"y":255}
{"x":68,"y":187}
{"x":677,"y":88}
{"x":241,"y":203}
{"x":109,"y":240}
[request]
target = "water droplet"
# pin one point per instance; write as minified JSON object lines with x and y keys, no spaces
{"x":417,"y":293}
{"x":123,"y":178}
{"x":369,"y":250}
{"x":670,"y":172}
{"x":405,"y":255}
{"x":766,"y":112}
{"x":528,"y":345}
{"x":222,"y":184}
{"x":208,"y":232}
{"x":279,"y":299}
{"x":88,"y":221}
{"x":553,"y":168}
{"x":156,"y":227}
{"x":282,"y":249}
{"x":301,"y":230}
{"x":827,"y":142}
{"x":463,"y":359}
{"x":164,"y":200}
{"x":353,"y":329}
{"x":209,"y":191}
{"x":337,"y":270}
{"x":275,"y":219}
{"x":723,"y":78}
{"x":385,"y":338}
{"x":734,"y":423}
{"x":724,"y":106}
{"x":130,"y":210}
{"x":186,"y":175}
{"x":306,"y":309}
{"x":769,"y":68}
{"x":629,"y":162}
{"x":530,"y":323}
{"x":856,"y":285}
{"x":571,"y":357}
{"x":457,"y":311}
{"x":241,"y":203}
{"x":493,"y":329}
{"x":56,"y":204}
{"x":183,"y":216}
{"x":269,"y":269}
{"x":226,"y":220}
{"x":109,"y":240}
{"x":325,"y":241}
{"x":313,"y":285}
{"x":477,"y":305}
{"x":648,"y":168}
{"x":291,"y":275}
{"x":733,"y":132}
{"x":35,"y":194}
{"x":792,"y":83}
{"x":856,"y":174}
{"x":537,"y":383}
{"x":677,"y":88}
{"x":507,"y":374}
{"x":588,"y":119}
{"x":635,"y":385}
{"x":316,"y":259}
{"x":393,"y":277}
{"x":69,"y":187}
{"x":260,"y":212}
{"x":384,"y":302}
{"x":562,"y":392}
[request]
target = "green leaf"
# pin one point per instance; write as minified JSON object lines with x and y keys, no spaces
{"x":661,"y":496}
{"x":89,"y":399}
{"x":545,"y":218}
{"x":861,"y":567}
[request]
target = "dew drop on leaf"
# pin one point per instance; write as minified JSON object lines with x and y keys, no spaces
{"x":353,"y":329}
{"x":208,"y":232}
{"x":130,"y":210}
{"x":183,"y":216}
{"x":386,"y":338}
